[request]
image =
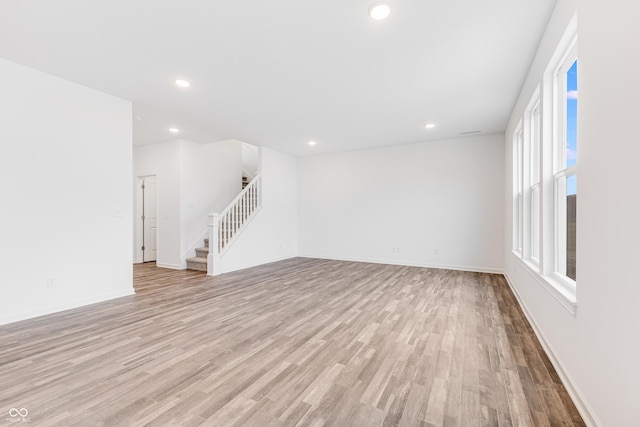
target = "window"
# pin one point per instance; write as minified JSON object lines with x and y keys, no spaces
{"x":545,"y":175}
{"x":518,"y":151}
{"x":565,"y":166}
{"x":534,"y":181}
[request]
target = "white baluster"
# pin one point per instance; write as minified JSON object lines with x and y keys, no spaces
{"x":213,"y":259}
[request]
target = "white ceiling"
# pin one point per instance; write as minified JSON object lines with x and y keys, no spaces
{"x":280,"y":73}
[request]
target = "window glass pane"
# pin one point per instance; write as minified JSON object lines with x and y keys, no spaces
{"x":519,"y":167}
{"x":517,"y":183}
{"x":535,"y":222}
{"x":535,"y":146}
{"x":519,"y":231}
{"x":572,"y":114}
{"x":571,"y":226}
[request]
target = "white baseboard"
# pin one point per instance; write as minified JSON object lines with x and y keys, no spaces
{"x":582,"y":405}
{"x":256,"y":264}
{"x":66,"y":306}
{"x":171,"y":266}
{"x":475,"y":269}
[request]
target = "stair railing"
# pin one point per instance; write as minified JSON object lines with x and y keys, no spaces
{"x":225,"y":227}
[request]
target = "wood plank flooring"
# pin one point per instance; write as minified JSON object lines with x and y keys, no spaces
{"x":299,"y":342}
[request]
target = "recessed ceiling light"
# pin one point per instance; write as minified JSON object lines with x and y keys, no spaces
{"x":379,"y":11}
{"x":430,"y":126}
{"x":312,"y":143}
{"x":174,"y":130}
{"x":183,"y":83}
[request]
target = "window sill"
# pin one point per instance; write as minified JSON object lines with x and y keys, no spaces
{"x":560,"y":288}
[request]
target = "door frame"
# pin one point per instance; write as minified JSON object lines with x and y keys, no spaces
{"x":139,"y":229}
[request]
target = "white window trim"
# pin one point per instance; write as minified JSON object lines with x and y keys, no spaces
{"x":561,"y":171}
{"x":518,"y":190}
{"x":555,"y":284}
{"x":535,"y":260}
{"x":562,"y":288}
{"x":564,"y":56}
{"x":528,"y":181}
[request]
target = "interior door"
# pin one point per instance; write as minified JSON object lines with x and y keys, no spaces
{"x":149,"y":218}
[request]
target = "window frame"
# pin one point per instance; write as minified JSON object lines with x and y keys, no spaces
{"x":533,"y":222}
{"x":518,"y":190}
{"x":560,"y":170}
{"x":548,"y":101}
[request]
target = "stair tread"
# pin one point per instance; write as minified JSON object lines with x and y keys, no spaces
{"x":197,"y":259}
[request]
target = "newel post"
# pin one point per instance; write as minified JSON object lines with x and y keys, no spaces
{"x":213,"y":259}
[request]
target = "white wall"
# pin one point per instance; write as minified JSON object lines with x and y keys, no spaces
{"x":210,"y":178}
{"x":598,"y":349}
{"x":272,"y":233}
{"x":163,"y":160}
{"x":420,"y":198}
{"x":193,"y":180}
{"x":65,"y":180}
{"x":250,"y":160}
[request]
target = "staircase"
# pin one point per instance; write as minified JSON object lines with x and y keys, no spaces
{"x":224,"y":228}
{"x":199,"y":262}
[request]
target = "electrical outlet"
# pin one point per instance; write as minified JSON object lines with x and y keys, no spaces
{"x":436,"y":251}
{"x":51,"y":282}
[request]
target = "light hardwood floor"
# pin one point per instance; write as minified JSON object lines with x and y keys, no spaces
{"x":298,"y":342}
